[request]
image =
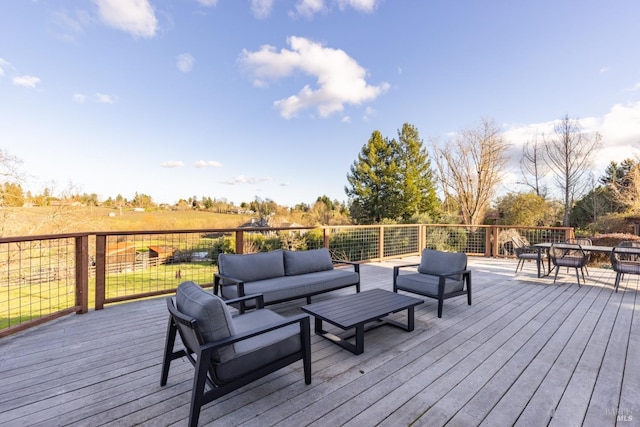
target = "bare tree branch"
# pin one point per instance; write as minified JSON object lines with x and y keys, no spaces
{"x":569,"y":154}
{"x":471,"y":166}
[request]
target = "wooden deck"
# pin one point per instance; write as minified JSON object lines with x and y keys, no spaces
{"x":527,"y":352}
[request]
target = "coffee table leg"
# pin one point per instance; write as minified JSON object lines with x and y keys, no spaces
{"x":359,"y":349}
{"x":410,"y":326}
{"x":410,"y":319}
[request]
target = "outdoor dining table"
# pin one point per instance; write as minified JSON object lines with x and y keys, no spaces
{"x":547,"y":245}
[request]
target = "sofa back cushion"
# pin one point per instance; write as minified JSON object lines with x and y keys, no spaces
{"x":302,"y":262}
{"x":437,"y":262}
{"x":252,"y":267}
{"x":211,"y":313}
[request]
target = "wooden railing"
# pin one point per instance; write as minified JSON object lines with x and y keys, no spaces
{"x":45,"y":277}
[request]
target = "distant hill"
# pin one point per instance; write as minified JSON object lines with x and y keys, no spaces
{"x":69,"y":219}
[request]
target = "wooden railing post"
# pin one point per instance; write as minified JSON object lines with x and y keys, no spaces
{"x":326,"y":238}
{"x":101,"y":268}
{"x":381,"y":242}
{"x":239,"y":241}
{"x":82,"y":273}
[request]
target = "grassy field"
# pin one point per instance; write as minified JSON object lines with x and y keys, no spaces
{"x":20,"y":303}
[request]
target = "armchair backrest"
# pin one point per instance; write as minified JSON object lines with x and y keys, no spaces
{"x":437,"y":262}
{"x":212,"y":318}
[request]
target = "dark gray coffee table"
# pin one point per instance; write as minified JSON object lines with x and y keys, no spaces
{"x":357,"y":310}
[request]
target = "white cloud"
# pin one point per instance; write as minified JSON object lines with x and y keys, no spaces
{"x":26,"y":81}
{"x":3,"y":64}
{"x":210,"y":164}
{"x":261,"y":8}
{"x":339,"y":78}
{"x":185,"y":62}
{"x":105,"y":99}
{"x":132,"y":16}
{"x":80,"y":98}
{"x":310,"y":7}
{"x":208,"y":3}
{"x":360,"y":5}
{"x":632,"y":89}
{"x":172,"y":164}
{"x":619,"y":128}
{"x":241,"y":179}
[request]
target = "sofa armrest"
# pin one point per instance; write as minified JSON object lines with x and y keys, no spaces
{"x":356,"y":265}
{"x":229,"y":281}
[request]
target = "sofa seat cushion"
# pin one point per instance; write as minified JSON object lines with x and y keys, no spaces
{"x":273,"y":345}
{"x":211,"y":313}
{"x":303,"y":262}
{"x":291,"y":287}
{"x":426,"y":284}
{"x":252,"y":267}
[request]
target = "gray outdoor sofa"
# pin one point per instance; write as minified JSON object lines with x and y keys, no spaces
{"x":283,"y":275}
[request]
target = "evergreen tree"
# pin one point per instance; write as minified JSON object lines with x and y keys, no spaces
{"x":391,"y":179}
{"x":373,"y":181}
{"x":416,"y":176}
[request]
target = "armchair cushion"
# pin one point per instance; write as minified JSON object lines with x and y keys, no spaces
{"x":262,"y":349}
{"x":436,"y":262}
{"x":427,"y":284}
{"x":212,"y":315}
{"x":264,"y":265}
{"x":310,"y":261}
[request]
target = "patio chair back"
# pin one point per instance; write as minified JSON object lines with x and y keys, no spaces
{"x":625,"y":259}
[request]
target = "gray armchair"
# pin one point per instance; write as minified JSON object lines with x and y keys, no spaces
{"x":441,"y":275}
{"x":230,"y":352}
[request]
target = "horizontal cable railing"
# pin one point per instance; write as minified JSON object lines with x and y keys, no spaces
{"x":44,"y":277}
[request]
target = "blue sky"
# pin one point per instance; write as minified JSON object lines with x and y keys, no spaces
{"x":274,"y":99}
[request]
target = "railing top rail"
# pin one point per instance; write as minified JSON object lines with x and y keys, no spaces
{"x":14,"y":239}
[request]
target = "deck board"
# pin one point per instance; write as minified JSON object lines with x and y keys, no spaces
{"x":527,"y":352}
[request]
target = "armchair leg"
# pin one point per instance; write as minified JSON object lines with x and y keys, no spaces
{"x":169,"y":354}
{"x":440,"y":303}
{"x":306,"y":349}
{"x":197,"y":395}
{"x":578,"y":277}
{"x":556,"y":276}
{"x":617,"y":284}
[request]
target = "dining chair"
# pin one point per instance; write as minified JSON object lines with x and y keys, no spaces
{"x":525,"y":252}
{"x":570,"y":255}
{"x":625,"y":259}
{"x":582,"y":241}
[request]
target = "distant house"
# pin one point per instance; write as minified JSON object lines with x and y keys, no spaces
{"x":120,"y":256}
{"x":256,"y":223}
{"x":160,"y":254}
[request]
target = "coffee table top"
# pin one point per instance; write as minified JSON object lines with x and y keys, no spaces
{"x":351,"y":310}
